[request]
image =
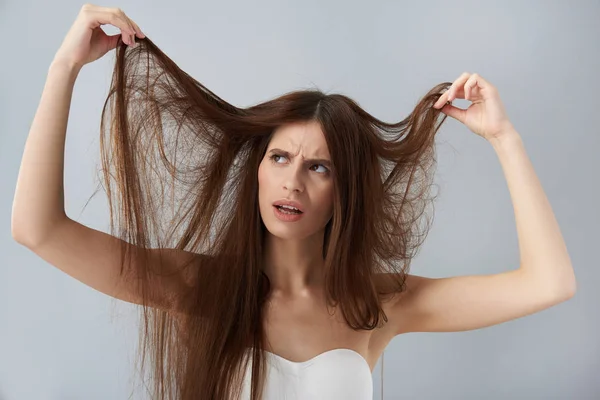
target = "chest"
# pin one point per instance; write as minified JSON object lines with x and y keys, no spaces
{"x":300,"y":330}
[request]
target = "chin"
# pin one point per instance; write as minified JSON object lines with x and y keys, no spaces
{"x":286,"y":233}
{"x":286,"y":230}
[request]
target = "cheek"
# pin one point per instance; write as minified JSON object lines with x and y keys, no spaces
{"x":263,"y":182}
{"x":327,"y":201}
{"x":261,"y":177}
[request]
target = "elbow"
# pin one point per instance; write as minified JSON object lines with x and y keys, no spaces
{"x":16,"y":235}
{"x":20,"y":231}
{"x":27,"y":239}
{"x":567,"y":289}
{"x":571,"y":287}
{"x":560,"y":286}
{"x":32,"y":234}
{"x":21,"y":240}
{"x":571,"y":290}
{"x":21,"y":235}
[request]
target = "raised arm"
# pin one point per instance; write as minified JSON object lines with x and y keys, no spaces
{"x":39,"y":221}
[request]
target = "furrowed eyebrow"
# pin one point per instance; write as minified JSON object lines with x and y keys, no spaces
{"x":287,"y":154}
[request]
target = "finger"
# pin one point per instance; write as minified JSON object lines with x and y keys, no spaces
{"x":131,"y":31}
{"x":114,"y":16}
{"x":454,"y":112}
{"x":97,"y":16}
{"x":457,"y":86}
{"x":470,"y":84}
{"x":138,"y":31}
{"x":445,"y":97}
{"x":442,"y":100}
{"x":485,"y":85}
{"x":117,"y":21}
{"x":118,"y":18}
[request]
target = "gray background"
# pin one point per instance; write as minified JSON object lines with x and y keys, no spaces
{"x":59,"y":339}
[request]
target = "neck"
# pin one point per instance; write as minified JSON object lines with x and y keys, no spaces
{"x":294,"y":266}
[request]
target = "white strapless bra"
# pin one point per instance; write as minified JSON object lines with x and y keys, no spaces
{"x":335,"y":374}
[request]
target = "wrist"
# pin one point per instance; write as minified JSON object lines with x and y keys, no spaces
{"x":65,"y":65}
{"x":509,"y":137}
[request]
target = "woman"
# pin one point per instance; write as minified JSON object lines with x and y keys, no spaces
{"x":297,"y":223}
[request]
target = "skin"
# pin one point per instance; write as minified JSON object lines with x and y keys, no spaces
{"x":293,"y":260}
{"x":298,"y":324}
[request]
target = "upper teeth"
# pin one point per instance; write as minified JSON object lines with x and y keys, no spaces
{"x":290,"y":207}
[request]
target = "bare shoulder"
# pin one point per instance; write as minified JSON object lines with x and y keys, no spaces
{"x":389,"y":283}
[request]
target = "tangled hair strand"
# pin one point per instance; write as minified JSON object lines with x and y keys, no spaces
{"x":180,"y":171}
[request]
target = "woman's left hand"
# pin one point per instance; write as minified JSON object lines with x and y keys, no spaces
{"x":486,"y":115}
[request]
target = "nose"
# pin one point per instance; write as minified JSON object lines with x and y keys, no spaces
{"x":292,"y":180}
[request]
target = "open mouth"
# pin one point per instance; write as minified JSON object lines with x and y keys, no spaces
{"x":285,"y":210}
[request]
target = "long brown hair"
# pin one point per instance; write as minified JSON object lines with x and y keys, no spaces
{"x":184,"y":164}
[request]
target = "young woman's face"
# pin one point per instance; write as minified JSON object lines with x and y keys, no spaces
{"x":296,"y":178}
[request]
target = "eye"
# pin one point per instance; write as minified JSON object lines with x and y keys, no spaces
{"x":272,"y":158}
{"x":324,"y":167}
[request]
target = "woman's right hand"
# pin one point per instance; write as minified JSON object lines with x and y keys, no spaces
{"x":86,"y":41}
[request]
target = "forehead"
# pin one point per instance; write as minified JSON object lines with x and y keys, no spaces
{"x":306,"y":137}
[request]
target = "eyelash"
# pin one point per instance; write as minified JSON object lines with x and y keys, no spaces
{"x":279,"y":155}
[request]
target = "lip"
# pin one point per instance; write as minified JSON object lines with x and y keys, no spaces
{"x":286,"y":217}
{"x":285,"y":202}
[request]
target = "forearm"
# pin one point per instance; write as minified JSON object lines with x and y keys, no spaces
{"x":543,"y":251}
{"x":38,"y":202}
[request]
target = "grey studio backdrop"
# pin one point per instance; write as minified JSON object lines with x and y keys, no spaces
{"x":60,"y":339}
